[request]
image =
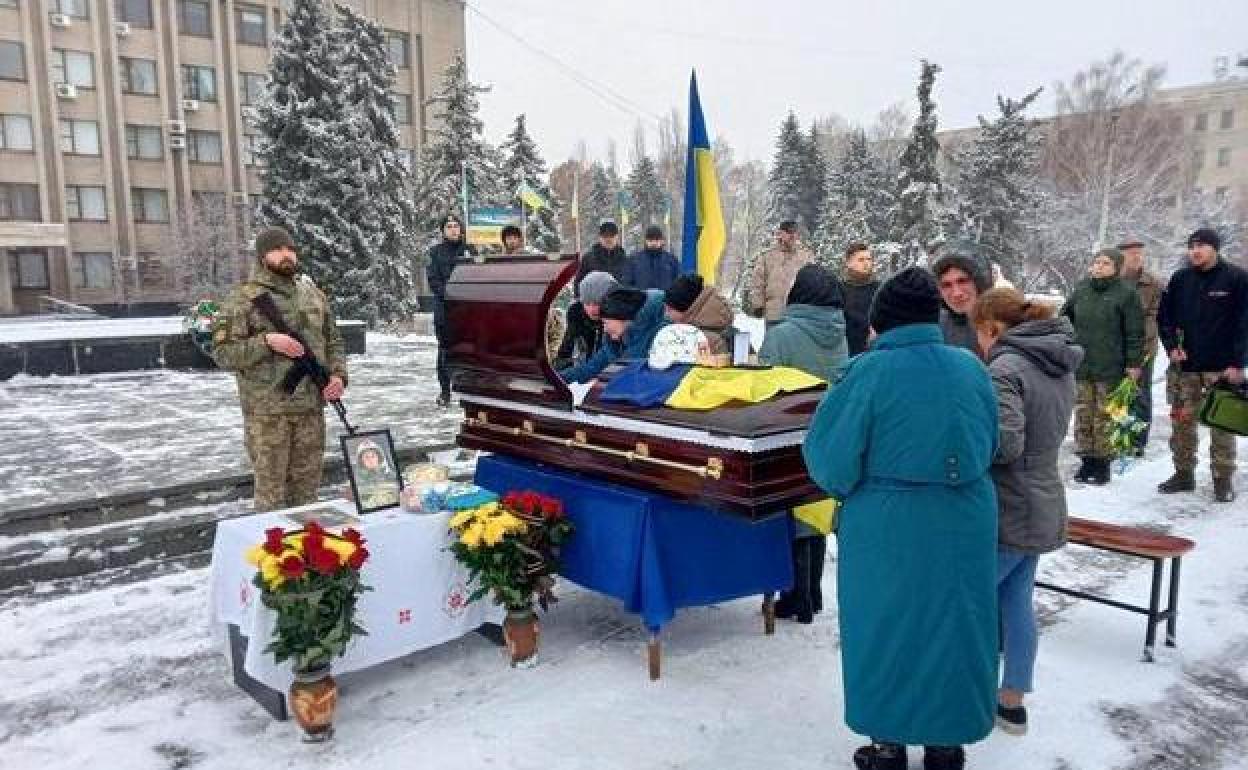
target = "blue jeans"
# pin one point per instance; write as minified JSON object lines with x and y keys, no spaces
{"x":1016,"y":581}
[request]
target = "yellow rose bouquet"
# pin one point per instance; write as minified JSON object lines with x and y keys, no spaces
{"x":1123,"y":427}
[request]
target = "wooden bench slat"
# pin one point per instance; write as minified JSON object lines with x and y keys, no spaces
{"x":1130,"y":539}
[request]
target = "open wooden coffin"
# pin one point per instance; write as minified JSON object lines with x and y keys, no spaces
{"x":742,"y":458}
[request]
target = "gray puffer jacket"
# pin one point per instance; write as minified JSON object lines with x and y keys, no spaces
{"x":1033,"y":370}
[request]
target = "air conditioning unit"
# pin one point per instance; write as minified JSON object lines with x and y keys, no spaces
{"x":121,"y":28}
{"x":240,"y":199}
{"x":60,"y":20}
{"x":66,"y":91}
{"x":177,"y":142}
{"x":190,"y":105}
{"x":177,"y":126}
{"x":249,"y":113}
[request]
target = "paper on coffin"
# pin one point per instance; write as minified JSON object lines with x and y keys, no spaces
{"x":744,"y":459}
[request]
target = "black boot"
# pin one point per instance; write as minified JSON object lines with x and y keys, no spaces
{"x":785,"y":606}
{"x":1181,"y":481}
{"x":801,"y":581}
{"x":881,"y":756}
{"x":818,"y":556}
{"x":1101,"y":473}
{"x":1085,"y":469}
{"x":444,"y":398}
{"x":943,"y":758}
{"x":1223,"y":491}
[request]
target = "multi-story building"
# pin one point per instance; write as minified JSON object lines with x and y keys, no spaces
{"x":117,"y":116}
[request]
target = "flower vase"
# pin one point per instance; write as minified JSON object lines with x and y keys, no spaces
{"x":313,"y":697}
{"x":521,"y":631}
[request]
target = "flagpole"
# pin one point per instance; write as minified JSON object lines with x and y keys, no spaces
{"x":576,"y":207}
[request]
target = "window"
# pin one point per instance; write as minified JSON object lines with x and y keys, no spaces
{"x":195,"y":18}
{"x":250,"y":24}
{"x":12,"y":60}
{"x":8,"y":3}
{"x":93,"y":269}
{"x":250,"y":149}
{"x":403,"y":109}
{"x":75,"y":8}
{"x":207,"y":204}
{"x":148,"y":205}
{"x":136,"y":13}
{"x":251,"y":86}
{"x":1219,"y":194}
{"x":203,"y":146}
{"x":396,"y":44}
{"x":73,"y":67}
{"x":1198,"y":159}
{"x":1224,"y":157}
{"x":1228,"y":120}
{"x":138,"y":76}
{"x":85,"y":204}
{"x":19,"y":202}
{"x":144,"y":143}
{"x":30,"y":269}
{"x":199,"y":83}
{"x":80,"y":137}
{"x":16,"y":133}
{"x":1202,"y":122}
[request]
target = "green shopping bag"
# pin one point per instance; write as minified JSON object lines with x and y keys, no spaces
{"x":1226,"y":408}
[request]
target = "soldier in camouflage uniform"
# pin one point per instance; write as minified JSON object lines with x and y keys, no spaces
{"x":285,"y":434}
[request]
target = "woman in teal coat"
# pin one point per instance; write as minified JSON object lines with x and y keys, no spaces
{"x":906,"y":442}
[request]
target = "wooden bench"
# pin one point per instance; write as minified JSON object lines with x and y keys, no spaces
{"x":1145,"y":544}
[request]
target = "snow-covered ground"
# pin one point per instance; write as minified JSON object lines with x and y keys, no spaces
{"x":71,"y":438}
{"x":131,"y":677}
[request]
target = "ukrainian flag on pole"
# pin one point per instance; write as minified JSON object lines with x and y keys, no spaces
{"x":703,"y":237}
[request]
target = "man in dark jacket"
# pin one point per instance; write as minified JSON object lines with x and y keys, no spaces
{"x":441,"y":263}
{"x":606,"y":255}
{"x":859,"y":290}
{"x":582,"y":334}
{"x":653,"y":267}
{"x":961,"y":280}
{"x":1203,"y":324}
{"x":1149,"y":287}
{"x":690,"y":301}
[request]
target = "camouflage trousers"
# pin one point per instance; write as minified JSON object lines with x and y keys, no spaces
{"x":1091,"y":423}
{"x":286,"y":452}
{"x":1185,"y":392}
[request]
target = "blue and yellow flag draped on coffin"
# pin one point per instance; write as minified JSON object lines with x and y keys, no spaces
{"x":703,"y":235}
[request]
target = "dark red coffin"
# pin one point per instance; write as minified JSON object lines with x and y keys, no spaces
{"x":741,"y":458}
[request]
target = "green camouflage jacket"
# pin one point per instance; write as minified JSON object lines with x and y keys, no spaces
{"x":238,"y":343}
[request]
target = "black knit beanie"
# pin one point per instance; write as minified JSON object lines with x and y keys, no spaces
{"x":622,"y":304}
{"x":909,"y":297}
{"x":684,"y":291}
{"x":815,"y":285}
{"x":1206,"y":235}
{"x":272,"y":238}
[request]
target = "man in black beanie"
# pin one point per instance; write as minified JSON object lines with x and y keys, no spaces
{"x":284,"y":431}
{"x":1203,"y":324}
{"x":441,"y":263}
{"x":909,"y":297}
{"x":961,"y":280}
{"x":652,"y":267}
{"x":630,"y":319}
{"x":690,"y":301}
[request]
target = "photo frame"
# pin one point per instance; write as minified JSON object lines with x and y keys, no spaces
{"x":373,"y":470}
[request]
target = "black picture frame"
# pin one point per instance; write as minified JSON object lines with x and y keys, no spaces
{"x":364,"y":481}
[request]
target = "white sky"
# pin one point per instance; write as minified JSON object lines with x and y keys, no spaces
{"x":758,"y":58}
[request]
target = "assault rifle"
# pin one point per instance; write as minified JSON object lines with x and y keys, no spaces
{"x":305,"y":365}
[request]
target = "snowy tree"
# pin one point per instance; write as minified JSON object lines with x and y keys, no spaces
{"x":998,"y":187}
{"x":523,"y":165}
{"x":203,"y":250}
{"x":314,"y":181}
{"x":670,"y":160}
{"x":917,"y":224}
{"x":645,"y":193}
{"x":598,"y":202}
{"x":788,"y":174}
{"x":858,"y":202}
{"x":814,"y":178}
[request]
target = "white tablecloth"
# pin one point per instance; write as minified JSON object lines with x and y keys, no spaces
{"x":418,"y":599}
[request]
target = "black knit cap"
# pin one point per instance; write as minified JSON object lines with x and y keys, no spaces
{"x":608,"y":228}
{"x":684,"y":291}
{"x":654,"y":233}
{"x":972,"y":267}
{"x":1206,"y":235}
{"x":622,"y":304}
{"x":272,"y":238}
{"x":815,"y":285}
{"x":909,"y":297}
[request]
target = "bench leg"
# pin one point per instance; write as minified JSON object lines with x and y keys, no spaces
{"x":654,"y":655}
{"x":1154,"y":609}
{"x":1172,"y":620}
{"x":769,"y":613}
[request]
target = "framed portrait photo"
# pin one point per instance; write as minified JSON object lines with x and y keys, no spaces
{"x":373,"y":470}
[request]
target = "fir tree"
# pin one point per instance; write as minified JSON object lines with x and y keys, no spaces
{"x":858,"y":202}
{"x":998,"y":189}
{"x":814,"y":175}
{"x":917,"y":223}
{"x":598,"y":203}
{"x":646,"y":194}
{"x":523,"y":164}
{"x":788,"y":174}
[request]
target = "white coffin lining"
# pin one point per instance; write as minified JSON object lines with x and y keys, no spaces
{"x":687,"y":435}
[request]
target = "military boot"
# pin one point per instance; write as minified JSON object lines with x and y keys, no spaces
{"x":943,"y":758}
{"x":1181,"y":481}
{"x":1101,"y":472}
{"x":881,"y":756}
{"x":1085,"y":469}
{"x":1223,"y":491}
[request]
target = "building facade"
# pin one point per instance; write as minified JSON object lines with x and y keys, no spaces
{"x":120,"y":118}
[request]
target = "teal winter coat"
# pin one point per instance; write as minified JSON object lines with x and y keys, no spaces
{"x":810,"y":338}
{"x":906,"y":442}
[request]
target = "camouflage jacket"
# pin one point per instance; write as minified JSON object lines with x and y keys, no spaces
{"x":238,"y":343}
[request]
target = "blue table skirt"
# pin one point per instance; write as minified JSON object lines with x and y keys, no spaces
{"x":653,"y":553}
